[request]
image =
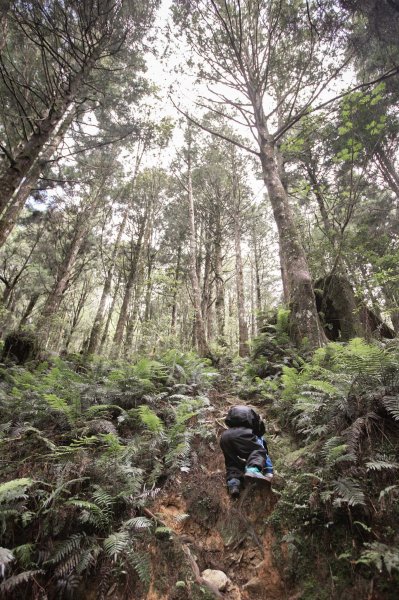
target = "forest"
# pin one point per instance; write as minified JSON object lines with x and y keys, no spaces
{"x":199,"y":208}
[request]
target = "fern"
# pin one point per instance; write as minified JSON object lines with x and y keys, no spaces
{"x":6,"y":557}
{"x":24,"y":554}
{"x":116,"y":543}
{"x":14,"y":489}
{"x":66,"y":548}
{"x":149,"y":419}
{"x":349,"y":491}
{"x":380,"y":556}
{"x":15,"y":580}
{"x":391,"y":405}
{"x":381,"y":465}
{"x":138,"y":523}
{"x":142,"y":565}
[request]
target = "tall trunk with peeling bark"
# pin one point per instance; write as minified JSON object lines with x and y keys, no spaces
{"x":28,"y":310}
{"x":305,"y":321}
{"x":110,"y":314}
{"x":256,"y":277}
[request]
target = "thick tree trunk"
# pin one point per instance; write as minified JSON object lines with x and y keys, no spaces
{"x":304,"y":318}
{"x":148,"y":285}
{"x":55,"y":296}
{"x":392,"y":302}
{"x":200,"y":335}
{"x":206,"y":298}
{"x":4,"y":8}
{"x":297,"y":280}
{"x":18,"y":200}
{"x":258,"y":291}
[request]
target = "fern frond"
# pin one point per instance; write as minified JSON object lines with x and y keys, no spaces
{"x":14,"y":489}
{"x":390,"y":491}
{"x":116,"y":543}
{"x":142,"y":565}
{"x":381,"y":465}
{"x":6,"y":556}
{"x":182,"y":517}
{"x":15,"y":580}
{"x":24,"y":554}
{"x":65,"y":548}
{"x":391,"y":405}
{"x":138,"y":523}
{"x":349,"y":491}
{"x":380,"y":555}
{"x":149,"y":419}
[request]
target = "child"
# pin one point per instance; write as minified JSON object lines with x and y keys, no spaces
{"x":245,"y":452}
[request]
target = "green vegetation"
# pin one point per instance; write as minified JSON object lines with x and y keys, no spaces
{"x":84,"y":447}
{"x":338,"y":505}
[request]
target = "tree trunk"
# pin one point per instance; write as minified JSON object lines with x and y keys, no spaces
{"x":219,"y":302}
{"x":99,"y":318}
{"x":4,"y":8}
{"x":29,"y":152}
{"x":175,"y":287}
{"x":392,"y":305}
{"x":123,"y":314}
{"x":17,"y":203}
{"x":55,"y":296}
{"x":243,"y":348}
{"x":28,"y":310}
{"x":258,"y":291}
{"x":206,"y":296}
{"x":200,"y":335}
{"x":304,"y":318}
{"x":109,"y":316}
{"x":297,"y":280}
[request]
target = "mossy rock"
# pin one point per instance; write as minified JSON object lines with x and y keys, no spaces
{"x":21,"y":347}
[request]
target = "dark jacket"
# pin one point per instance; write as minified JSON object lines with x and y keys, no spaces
{"x":243,"y":416}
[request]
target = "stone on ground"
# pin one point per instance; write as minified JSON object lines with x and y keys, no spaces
{"x":216,"y":578}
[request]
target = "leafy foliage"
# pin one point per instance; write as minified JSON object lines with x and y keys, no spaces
{"x":83,"y":451}
{"x":341,"y":407}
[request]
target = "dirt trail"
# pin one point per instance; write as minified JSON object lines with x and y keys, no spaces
{"x":215,"y":532}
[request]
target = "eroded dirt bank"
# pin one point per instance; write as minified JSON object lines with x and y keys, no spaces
{"x":210,"y":531}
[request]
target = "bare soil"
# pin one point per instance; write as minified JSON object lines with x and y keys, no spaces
{"x":214,"y":531}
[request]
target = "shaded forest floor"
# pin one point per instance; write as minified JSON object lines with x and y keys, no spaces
{"x":214,"y":531}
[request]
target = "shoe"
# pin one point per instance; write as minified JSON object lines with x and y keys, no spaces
{"x":233,"y":485}
{"x":234,"y":491}
{"x":255,"y":473}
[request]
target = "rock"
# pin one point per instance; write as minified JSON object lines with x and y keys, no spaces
{"x":216,"y":578}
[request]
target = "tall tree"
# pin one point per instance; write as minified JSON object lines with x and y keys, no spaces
{"x":246,"y":47}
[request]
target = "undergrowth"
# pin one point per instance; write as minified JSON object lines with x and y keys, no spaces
{"x":339,"y":506}
{"x":84,"y":446}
